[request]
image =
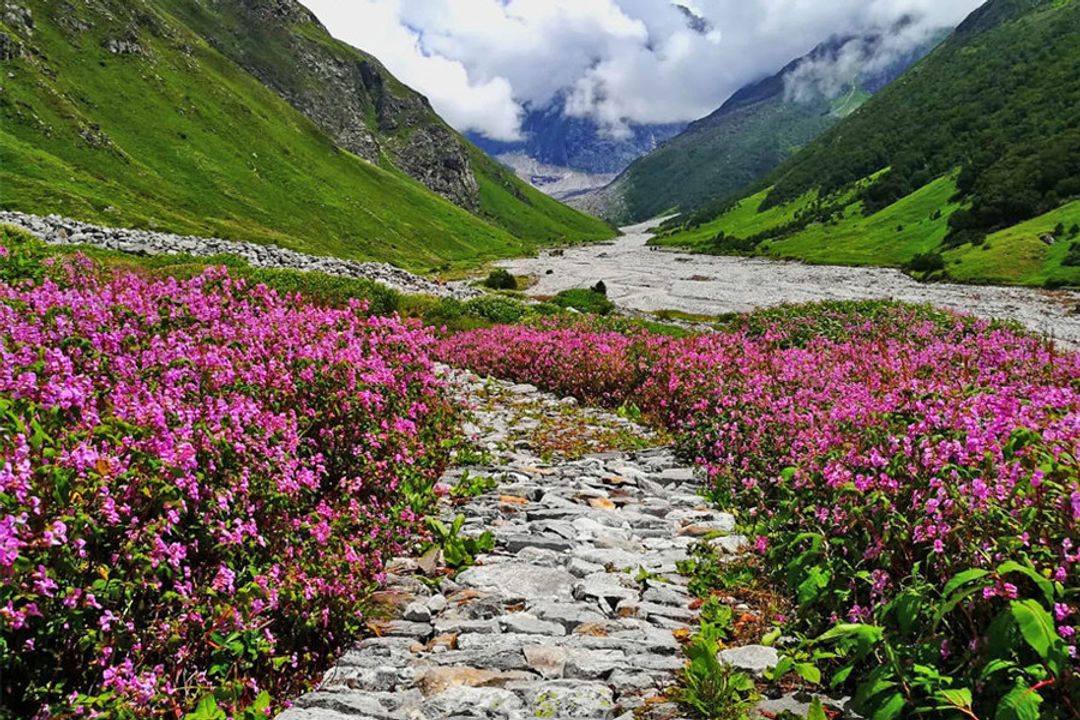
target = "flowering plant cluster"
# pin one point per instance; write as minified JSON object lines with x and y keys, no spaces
{"x":912,"y":479}
{"x":199,"y":484}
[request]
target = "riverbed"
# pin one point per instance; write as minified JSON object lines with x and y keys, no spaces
{"x":642,"y":278}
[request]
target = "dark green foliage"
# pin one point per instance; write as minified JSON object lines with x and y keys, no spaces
{"x":724,"y":244}
{"x":600,"y":288}
{"x":926,"y":263}
{"x":1074,"y":230}
{"x":1072,"y":258}
{"x":585,"y":301}
{"x":500,"y":279}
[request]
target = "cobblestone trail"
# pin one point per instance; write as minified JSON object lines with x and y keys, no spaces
{"x":572,"y":615}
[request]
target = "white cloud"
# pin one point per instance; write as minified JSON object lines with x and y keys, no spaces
{"x":620,"y":61}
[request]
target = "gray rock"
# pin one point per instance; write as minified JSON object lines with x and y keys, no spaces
{"x":530,"y":625}
{"x":516,"y":581}
{"x":751,"y":658}
{"x":418,"y":611}
{"x":570,"y":699}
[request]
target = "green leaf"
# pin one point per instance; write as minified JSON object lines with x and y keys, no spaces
{"x":1020,"y":703}
{"x":960,"y":698}
{"x":1035,"y":625}
{"x":841,"y":675}
{"x":262,"y":702}
{"x":1043,"y":584}
{"x":908,"y":607}
{"x":963,"y":578}
{"x":207,"y":709}
{"x":770,"y":637}
{"x":816,"y":711}
{"x":892,"y":706}
{"x":809,"y":673}
{"x":816,"y":580}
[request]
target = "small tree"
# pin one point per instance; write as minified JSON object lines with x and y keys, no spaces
{"x":600,"y":288}
{"x":500,"y":279}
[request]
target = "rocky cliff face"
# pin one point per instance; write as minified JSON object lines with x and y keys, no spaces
{"x":346,"y":93}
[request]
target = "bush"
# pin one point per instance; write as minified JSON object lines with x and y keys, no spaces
{"x":499,"y":310}
{"x":926,"y":263}
{"x":586,"y":301}
{"x":199,"y":483}
{"x":600,"y":288}
{"x":500,"y":279}
{"x":1072,"y":257}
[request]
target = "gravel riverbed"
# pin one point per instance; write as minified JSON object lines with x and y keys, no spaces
{"x":645,"y":279}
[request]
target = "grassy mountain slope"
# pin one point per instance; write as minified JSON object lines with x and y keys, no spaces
{"x":116,"y":112}
{"x":984,"y":135}
{"x":759,"y":127}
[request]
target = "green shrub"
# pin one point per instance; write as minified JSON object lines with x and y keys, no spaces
{"x":500,"y":279}
{"x":926,"y":263}
{"x":499,"y":310}
{"x":586,"y":301}
{"x":1072,"y":258}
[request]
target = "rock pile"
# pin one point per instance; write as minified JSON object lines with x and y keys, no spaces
{"x":56,"y":230}
{"x":577,"y":612}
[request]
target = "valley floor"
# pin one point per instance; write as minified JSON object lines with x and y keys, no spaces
{"x":649,"y":280}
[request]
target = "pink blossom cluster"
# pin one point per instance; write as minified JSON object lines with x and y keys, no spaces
{"x":200,"y":482}
{"x":914,"y":448}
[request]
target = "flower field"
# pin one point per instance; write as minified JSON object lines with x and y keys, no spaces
{"x":910,"y":477}
{"x":200,"y":481}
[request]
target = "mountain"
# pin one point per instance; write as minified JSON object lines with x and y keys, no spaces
{"x":572,"y":150}
{"x":759,"y":127}
{"x":246,"y":120}
{"x":967,"y":166}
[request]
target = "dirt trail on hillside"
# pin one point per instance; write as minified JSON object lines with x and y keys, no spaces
{"x":641,"y":278}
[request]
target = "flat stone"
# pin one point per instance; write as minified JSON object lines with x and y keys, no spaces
{"x":571,"y":699}
{"x":436,"y":680}
{"x":751,"y":658}
{"x":349,"y":702}
{"x":527,"y":624}
{"x":404,"y":628}
{"x":569,"y":615}
{"x":593,"y":664}
{"x":516,"y":581}
{"x":607,"y":586}
{"x":547,"y":660}
{"x":514,"y":543}
{"x":458,"y":625}
{"x":489,"y":702}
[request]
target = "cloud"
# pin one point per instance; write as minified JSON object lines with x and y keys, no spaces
{"x":620,"y":62}
{"x":830,"y":73}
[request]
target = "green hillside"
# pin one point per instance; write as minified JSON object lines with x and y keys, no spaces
{"x":758,"y":128}
{"x":122,"y":114}
{"x":973,"y":155}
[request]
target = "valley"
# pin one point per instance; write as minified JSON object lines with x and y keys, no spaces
{"x":646,"y":279}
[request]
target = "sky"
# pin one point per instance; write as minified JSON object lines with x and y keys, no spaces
{"x":481,"y":63}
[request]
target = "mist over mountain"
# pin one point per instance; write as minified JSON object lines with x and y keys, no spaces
{"x":762,"y":124}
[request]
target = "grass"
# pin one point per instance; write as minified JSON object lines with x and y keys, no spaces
{"x":918,"y":223}
{"x":181,"y":139}
{"x":1017,"y":255}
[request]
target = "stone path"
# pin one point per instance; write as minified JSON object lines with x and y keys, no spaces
{"x":572,"y":615}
